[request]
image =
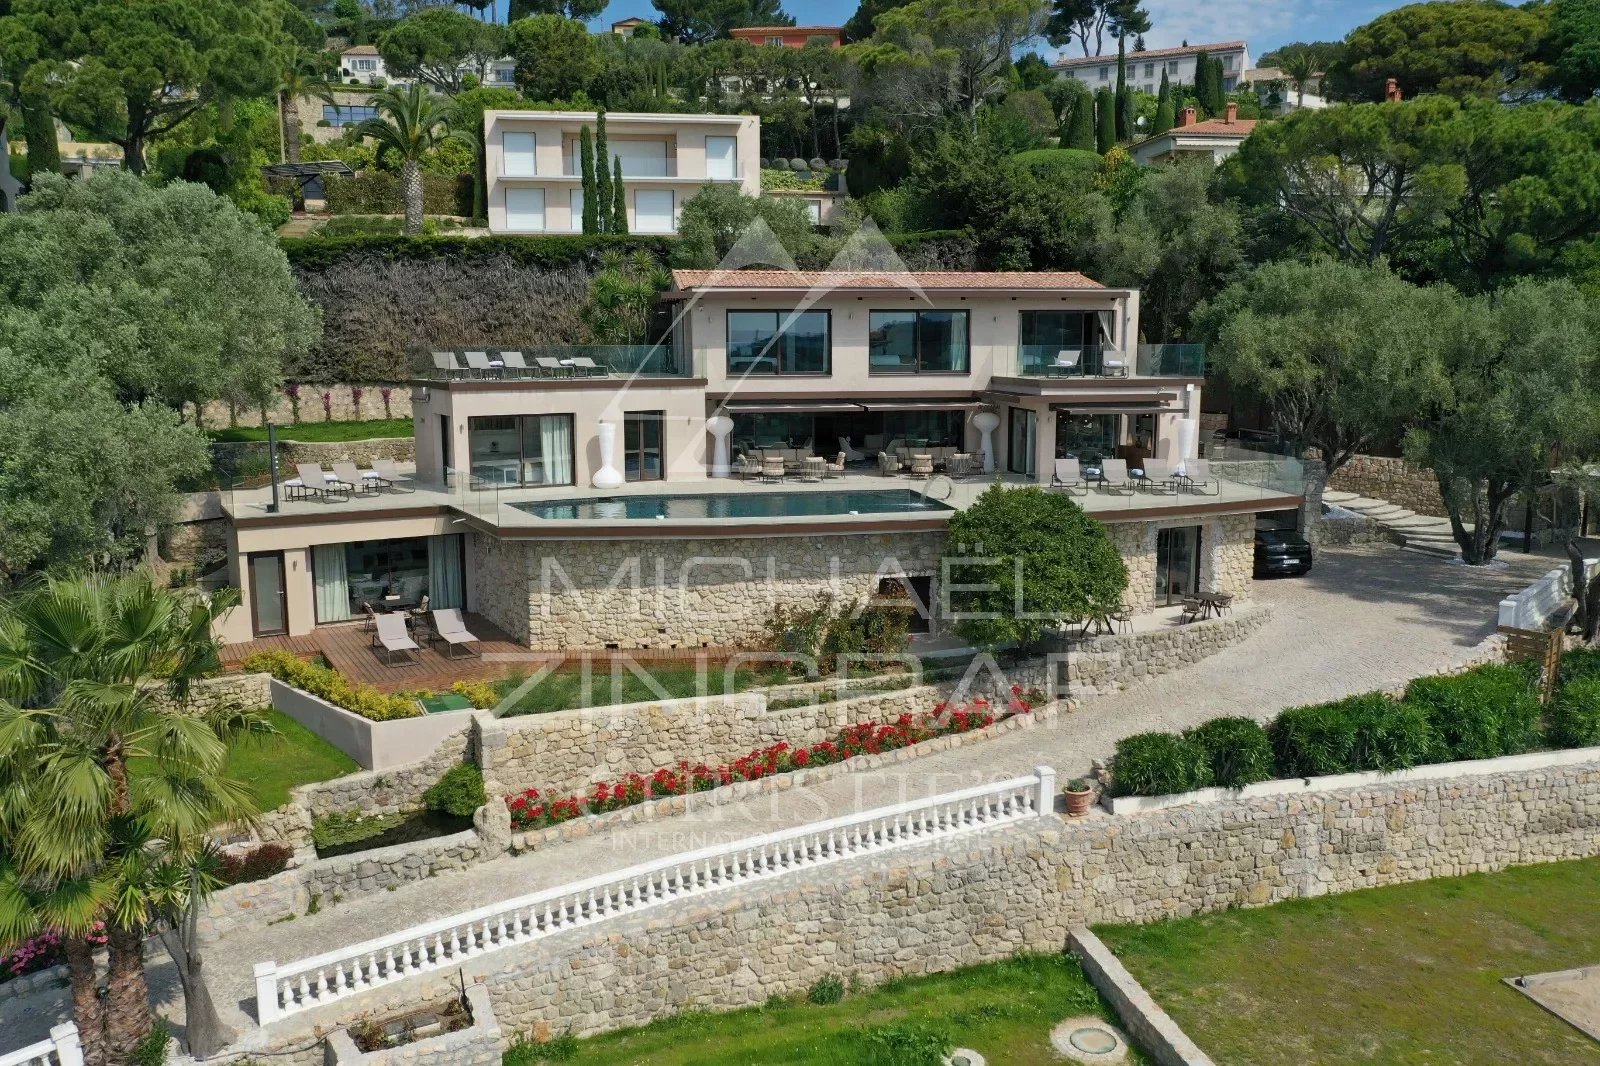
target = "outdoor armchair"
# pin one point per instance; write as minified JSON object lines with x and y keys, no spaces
{"x":390,"y":634}
{"x":1114,"y":476}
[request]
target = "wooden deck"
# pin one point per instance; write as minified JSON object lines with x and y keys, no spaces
{"x":349,"y":650}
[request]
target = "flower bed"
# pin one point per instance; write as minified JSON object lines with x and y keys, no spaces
{"x":40,"y":953}
{"x":531,"y":809}
{"x":328,"y":684}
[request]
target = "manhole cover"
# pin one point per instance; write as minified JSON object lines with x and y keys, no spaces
{"x":964,"y":1056}
{"x":1094,"y":1041}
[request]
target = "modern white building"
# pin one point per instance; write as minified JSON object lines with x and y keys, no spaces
{"x":1145,"y":68}
{"x":363,"y":64}
{"x":536,"y":180}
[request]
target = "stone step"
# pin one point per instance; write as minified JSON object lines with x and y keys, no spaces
{"x":1419,"y":521}
{"x":1389,"y":515}
{"x":1432,"y":542}
{"x":1436,"y":550}
{"x":1337,"y":496}
{"x":1361,"y":505}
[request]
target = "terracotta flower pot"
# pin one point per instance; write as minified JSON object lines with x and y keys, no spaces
{"x":1078,"y":803}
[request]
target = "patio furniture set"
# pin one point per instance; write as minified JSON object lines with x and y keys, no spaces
{"x":925,"y":462}
{"x":1205,"y":605}
{"x":394,"y":632}
{"x":776,"y":464}
{"x":491,"y":363}
{"x":1069,"y":363}
{"x":1155,"y":476}
{"x":313,"y":482}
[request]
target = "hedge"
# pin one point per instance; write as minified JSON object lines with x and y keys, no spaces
{"x":330,"y":685}
{"x":548,"y":251}
{"x":1237,"y":750}
{"x":1158,"y":764}
{"x":1575,"y":718}
{"x":1481,"y":714}
{"x":377,"y":192}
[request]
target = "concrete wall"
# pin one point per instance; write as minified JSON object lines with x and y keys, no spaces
{"x":1395,"y":480}
{"x":480,"y":1044}
{"x":991,"y":895}
{"x":1156,"y":1034}
{"x":1546,"y":603}
{"x":375,"y":745}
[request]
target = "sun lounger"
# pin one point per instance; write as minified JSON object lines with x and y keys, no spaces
{"x":588,"y":366}
{"x":513,"y":361}
{"x":358,"y":480}
{"x":1114,"y":476}
{"x":450,"y":627}
{"x":1066,"y":475}
{"x":390,"y":634}
{"x":388,"y":474}
{"x":311,"y":480}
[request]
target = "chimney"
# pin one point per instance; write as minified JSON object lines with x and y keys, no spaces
{"x":1188,"y":117}
{"x":1233,"y":113}
{"x":1391,"y":91}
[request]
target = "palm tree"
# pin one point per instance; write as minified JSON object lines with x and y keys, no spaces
{"x":301,"y":75}
{"x":412,"y":122}
{"x":1300,"y":64}
{"x":623,"y":297}
{"x":95,"y":674}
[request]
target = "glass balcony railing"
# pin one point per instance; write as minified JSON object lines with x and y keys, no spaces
{"x":1171,"y":360}
{"x":599,"y":361}
{"x":1058,"y":361}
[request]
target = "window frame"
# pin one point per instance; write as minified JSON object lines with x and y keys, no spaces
{"x":916,"y":335}
{"x":641,"y":419}
{"x":519,"y":428}
{"x":779,"y":314}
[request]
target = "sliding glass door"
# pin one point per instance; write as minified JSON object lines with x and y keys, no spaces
{"x":521,"y":450}
{"x":642,"y":446}
{"x":1022,"y":445}
{"x":1177,"y":563}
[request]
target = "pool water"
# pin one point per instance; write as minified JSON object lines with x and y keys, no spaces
{"x":737,"y":505}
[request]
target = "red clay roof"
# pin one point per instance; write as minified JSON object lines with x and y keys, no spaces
{"x":879,"y":279}
{"x":784,"y":29}
{"x":360,"y":50}
{"x":1149,"y":53}
{"x":1211,"y":127}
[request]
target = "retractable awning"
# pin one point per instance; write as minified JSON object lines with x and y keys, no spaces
{"x":791,"y":408}
{"x":1116,"y":408}
{"x":874,"y":406}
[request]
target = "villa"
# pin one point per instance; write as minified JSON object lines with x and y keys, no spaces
{"x":792,"y":434}
{"x":536,"y":179}
{"x":1145,"y":68}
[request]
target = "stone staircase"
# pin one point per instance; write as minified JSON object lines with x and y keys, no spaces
{"x":1421,"y":533}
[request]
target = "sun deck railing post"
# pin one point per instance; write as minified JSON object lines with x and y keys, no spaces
{"x":1046,"y":802}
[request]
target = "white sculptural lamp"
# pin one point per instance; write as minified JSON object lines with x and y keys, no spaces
{"x":986,"y":423}
{"x":720,"y":425}
{"x":607,"y":477}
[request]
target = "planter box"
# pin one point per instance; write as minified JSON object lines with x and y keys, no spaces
{"x":1538,"y":760}
{"x":480,"y":1044}
{"x":375,"y":745}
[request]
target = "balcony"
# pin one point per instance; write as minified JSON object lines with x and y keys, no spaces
{"x":1105,"y":361}
{"x":598,"y":362}
{"x":649,"y":169}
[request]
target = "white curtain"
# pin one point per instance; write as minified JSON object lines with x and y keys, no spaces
{"x":444,"y":571}
{"x":555,"y":447}
{"x":332,"y":582}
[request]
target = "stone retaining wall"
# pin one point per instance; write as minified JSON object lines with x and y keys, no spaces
{"x":360,"y":452}
{"x":389,"y":791}
{"x":1112,"y":662}
{"x":1395,"y":480}
{"x":215,"y":414}
{"x":229,"y":692}
{"x":987,"y":896}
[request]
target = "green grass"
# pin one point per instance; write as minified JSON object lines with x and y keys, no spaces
{"x":564,"y":689}
{"x":295,"y":756}
{"x":319,"y":432}
{"x":1402,"y":975}
{"x":1005,"y":1011}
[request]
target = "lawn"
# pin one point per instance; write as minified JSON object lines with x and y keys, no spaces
{"x":295,"y":756}
{"x":320,"y":432}
{"x":564,"y":689}
{"x":1402,"y":975}
{"x":1004,"y":1011}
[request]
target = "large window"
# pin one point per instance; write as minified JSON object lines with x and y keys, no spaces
{"x":1086,"y":436}
{"x":521,"y":450}
{"x":386,"y":575}
{"x":722,"y":157}
{"x":917,"y":342}
{"x":521,"y":154}
{"x":525,"y":210}
{"x":1044,"y":335}
{"x":642,"y":446}
{"x":779,"y":342}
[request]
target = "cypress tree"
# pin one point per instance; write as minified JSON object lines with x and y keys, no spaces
{"x":1080,"y":124}
{"x":619,"y":205}
{"x":1124,"y":101}
{"x":591,"y":218}
{"x":1164,"y":110}
{"x":602,"y":174}
{"x":1202,"y":74}
{"x":1218,"y":102}
{"x":1106,"y":126}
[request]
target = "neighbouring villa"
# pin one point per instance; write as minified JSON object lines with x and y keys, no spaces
{"x":793,"y":434}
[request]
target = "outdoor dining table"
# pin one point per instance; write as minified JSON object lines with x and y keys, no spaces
{"x":1213,"y":604}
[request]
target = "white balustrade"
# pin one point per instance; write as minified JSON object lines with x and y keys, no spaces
{"x":286,"y":989}
{"x":61,"y":1049}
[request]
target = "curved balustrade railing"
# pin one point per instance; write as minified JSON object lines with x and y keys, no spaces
{"x":285,"y":989}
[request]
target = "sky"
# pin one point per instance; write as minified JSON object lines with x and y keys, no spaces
{"x":1264,"y":24}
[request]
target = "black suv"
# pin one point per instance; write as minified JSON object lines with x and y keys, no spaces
{"x":1281,"y":551}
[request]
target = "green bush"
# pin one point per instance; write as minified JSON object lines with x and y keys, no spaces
{"x":547,"y":251}
{"x":1072,"y":167}
{"x":1387,"y":736}
{"x":525,"y":1051}
{"x":377,"y":192}
{"x":1159,"y":764}
{"x":826,"y":990}
{"x":333,"y":686}
{"x":1578,"y":664}
{"x":152,"y":1049}
{"x":459,"y":792}
{"x":1237,"y":750}
{"x":905,"y":1044}
{"x":1575,"y":717}
{"x":1484,"y":713}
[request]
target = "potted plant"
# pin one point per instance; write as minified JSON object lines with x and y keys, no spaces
{"x":1080,"y":796}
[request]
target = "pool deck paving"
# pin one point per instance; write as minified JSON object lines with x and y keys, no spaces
{"x":1364,"y":617}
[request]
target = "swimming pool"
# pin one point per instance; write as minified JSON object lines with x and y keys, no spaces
{"x":737,"y":505}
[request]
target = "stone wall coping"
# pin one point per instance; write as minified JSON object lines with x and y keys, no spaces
{"x":551,"y":720}
{"x":1546,"y":602}
{"x":1538,"y":760}
{"x":1158,"y":1035}
{"x":336,"y":863}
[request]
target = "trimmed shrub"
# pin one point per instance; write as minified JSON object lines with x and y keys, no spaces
{"x":1578,"y":664}
{"x":257,"y":864}
{"x":1159,"y":764}
{"x":1236,"y":749}
{"x":1575,"y":718}
{"x":1385,"y":735}
{"x":459,"y":792}
{"x":1484,"y":713}
{"x":1314,"y":740}
{"x":330,"y":685}
{"x":1071,"y":167}
{"x":377,"y":192}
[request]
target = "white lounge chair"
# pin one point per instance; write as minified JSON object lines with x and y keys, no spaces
{"x":1066,"y":475}
{"x":450,"y":627}
{"x":358,"y":480}
{"x":1196,"y":477}
{"x":1114,"y":476}
{"x":588,"y":366}
{"x":850,"y":453}
{"x":390,"y":634}
{"x":1113,"y":364}
{"x":549,"y":364}
{"x":1157,"y":476}
{"x":1067,"y":360}
{"x":312,"y":480}
{"x":388,"y":474}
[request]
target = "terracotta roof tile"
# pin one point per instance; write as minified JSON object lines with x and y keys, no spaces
{"x":1211,"y":127}
{"x":738,"y":30}
{"x":1149,"y":53}
{"x":879,"y":279}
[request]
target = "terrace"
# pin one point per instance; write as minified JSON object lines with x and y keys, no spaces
{"x":596,"y":364}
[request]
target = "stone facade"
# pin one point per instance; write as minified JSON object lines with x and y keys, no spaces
{"x":388,"y":791}
{"x":229,"y":692}
{"x":673,"y":594}
{"x":360,"y":452}
{"x":342,"y":397}
{"x":498,"y":571}
{"x":1395,"y":480}
{"x":1227,"y":555}
{"x":366,"y":872}
{"x":1111,"y":662}
{"x":987,"y":896}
